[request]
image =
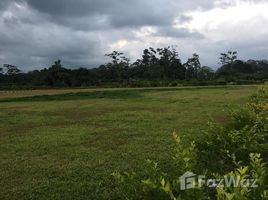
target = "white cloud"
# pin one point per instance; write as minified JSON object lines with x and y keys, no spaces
{"x":243,"y":20}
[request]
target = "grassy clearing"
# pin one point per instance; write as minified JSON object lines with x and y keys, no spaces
{"x":65,"y":144}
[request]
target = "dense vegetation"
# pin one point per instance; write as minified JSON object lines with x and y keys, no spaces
{"x":157,"y":67}
{"x":237,"y":149}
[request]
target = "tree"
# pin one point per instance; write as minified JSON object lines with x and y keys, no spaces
{"x":205,"y":73}
{"x":150,"y":64}
{"x":170,"y":63}
{"x":227,"y":61}
{"x":57,"y":75}
{"x":192,"y":66}
{"x":56,"y":67}
{"x":228,"y":58}
{"x":119,"y":67}
{"x":11,"y":69}
{"x":156,"y":67}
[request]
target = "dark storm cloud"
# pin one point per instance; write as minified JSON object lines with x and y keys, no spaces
{"x":73,"y":8}
{"x":29,"y":41}
{"x":33,"y":33}
{"x":4,"y":3}
{"x":119,"y":13}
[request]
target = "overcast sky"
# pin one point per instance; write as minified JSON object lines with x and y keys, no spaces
{"x":33,"y":33}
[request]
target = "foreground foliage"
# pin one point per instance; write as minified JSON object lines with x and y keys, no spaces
{"x":237,"y":150}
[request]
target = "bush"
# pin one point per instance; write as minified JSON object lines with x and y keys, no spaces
{"x":230,"y":150}
{"x":162,"y":185}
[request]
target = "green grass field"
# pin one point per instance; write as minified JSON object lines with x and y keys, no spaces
{"x":65,"y":146}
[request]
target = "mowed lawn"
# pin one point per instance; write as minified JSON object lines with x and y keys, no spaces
{"x":65,"y":146}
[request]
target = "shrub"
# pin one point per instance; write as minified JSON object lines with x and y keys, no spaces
{"x":247,"y":132}
{"x":223,"y":151}
{"x":255,"y":171}
{"x":160,"y":185}
{"x":163,"y":185}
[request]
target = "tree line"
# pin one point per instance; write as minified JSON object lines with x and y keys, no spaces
{"x":156,"y":67}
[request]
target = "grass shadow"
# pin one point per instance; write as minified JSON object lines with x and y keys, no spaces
{"x":115,"y":94}
{"x":77,"y":96}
